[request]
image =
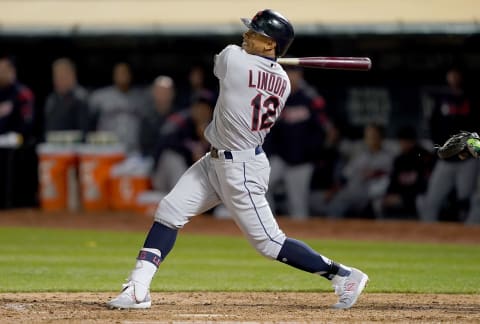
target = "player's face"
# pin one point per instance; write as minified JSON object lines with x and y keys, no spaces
{"x":255,"y":43}
{"x":163,"y":96}
{"x":7,"y":73}
{"x":122,"y":76}
{"x":197,"y":77}
{"x":373,"y":138}
{"x":63,"y":78}
{"x":454,"y":79}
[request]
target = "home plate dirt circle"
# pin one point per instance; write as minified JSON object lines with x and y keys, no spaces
{"x":252,"y":307}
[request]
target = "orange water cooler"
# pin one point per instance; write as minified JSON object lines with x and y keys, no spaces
{"x":58,"y":176}
{"x":130,"y":178}
{"x":96,"y":162}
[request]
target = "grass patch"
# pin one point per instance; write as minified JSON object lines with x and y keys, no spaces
{"x":34,"y":260}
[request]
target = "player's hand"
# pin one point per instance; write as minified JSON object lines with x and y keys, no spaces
{"x":464,"y":145}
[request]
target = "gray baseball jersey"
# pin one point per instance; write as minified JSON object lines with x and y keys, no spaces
{"x":253,"y":91}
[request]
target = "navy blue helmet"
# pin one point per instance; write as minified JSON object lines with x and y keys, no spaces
{"x":273,"y":25}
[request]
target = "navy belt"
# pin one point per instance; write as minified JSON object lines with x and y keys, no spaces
{"x":228,"y":154}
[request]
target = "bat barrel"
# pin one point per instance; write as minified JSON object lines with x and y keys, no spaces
{"x":334,"y":63}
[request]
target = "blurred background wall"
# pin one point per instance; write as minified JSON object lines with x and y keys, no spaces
{"x":411,"y":44}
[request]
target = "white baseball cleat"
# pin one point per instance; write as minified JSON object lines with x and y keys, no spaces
{"x":349,"y":288}
{"x":132,"y":296}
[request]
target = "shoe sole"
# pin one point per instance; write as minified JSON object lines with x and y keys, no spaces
{"x":363,"y":283}
{"x":134,"y":306}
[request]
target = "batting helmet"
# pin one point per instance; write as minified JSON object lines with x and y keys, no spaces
{"x":273,"y":25}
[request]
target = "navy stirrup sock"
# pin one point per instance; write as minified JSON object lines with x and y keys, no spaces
{"x":299,"y":255}
{"x":161,"y":238}
{"x":158,"y":244}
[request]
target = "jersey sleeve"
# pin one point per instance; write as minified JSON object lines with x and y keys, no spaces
{"x":221,"y":62}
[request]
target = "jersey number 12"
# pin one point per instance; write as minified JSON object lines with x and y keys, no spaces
{"x":262,"y":121}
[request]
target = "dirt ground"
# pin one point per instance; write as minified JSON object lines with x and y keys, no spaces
{"x":251,"y":307}
{"x":204,"y":307}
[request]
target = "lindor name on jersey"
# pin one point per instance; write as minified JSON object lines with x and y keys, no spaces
{"x":267,"y":81}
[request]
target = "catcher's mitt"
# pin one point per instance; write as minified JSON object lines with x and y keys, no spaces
{"x":464,"y":144}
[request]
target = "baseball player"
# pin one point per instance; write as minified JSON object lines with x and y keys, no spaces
{"x":454,"y":109}
{"x":253,"y":91}
{"x":464,"y":145}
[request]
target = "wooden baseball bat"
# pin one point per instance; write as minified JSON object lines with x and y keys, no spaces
{"x":333,"y":63}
